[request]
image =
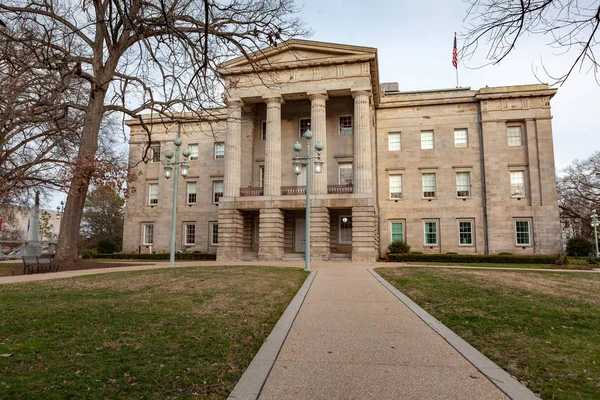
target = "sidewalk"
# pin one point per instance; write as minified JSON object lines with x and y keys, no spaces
{"x":353,"y":339}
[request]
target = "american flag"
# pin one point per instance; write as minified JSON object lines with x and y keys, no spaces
{"x":454,"y":53}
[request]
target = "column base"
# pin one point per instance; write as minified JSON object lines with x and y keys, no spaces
{"x":231,"y":235}
{"x":364,"y":240}
{"x":320,"y":248}
{"x":270,"y":233}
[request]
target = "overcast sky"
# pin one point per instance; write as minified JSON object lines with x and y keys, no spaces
{"x":414,"y":42}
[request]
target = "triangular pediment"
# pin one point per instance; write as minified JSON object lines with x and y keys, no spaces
{"x":298,"y":53}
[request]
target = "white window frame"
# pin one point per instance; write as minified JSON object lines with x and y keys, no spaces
{"x":145,"y":242}
{"x":458,"y":192}
{"x":155,"y":154}
{"x":300,"y":125}
{"x":219,"y":153}
{"x":472,"y":232}
{"x":344,"y":165}
{"x":437,"y":233}
{"x":340,"y":128}
{"x":423,"y":185}
{"x":460,"y":144}
{"x":513,"y":193}
{"x":186,"y":234}
{"x":263,"y":130}
{"x":211,"y":233}
{"x":150,"y":197}
{"x":529,"y":231}
{"x":188,"y":192}
{"x":193,"y":148}
{"x":511,"y":139}
{"x":214,"y":192}
{"x":392,"y":222}
{"x":399,"y":141}
{"x":261,"y":176}
{"x":425,"y":140}
{"x":394,"y":195}
{"x":340,"y":221}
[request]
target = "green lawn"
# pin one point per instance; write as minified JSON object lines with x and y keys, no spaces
{"x":160,"y":334}
{"x":500,"y":265}
{"x":541,"y":327}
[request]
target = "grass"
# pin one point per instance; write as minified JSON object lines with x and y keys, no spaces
{"x":160,"y":334}
{"x":541,"y":327}
{"x":501,"y":265}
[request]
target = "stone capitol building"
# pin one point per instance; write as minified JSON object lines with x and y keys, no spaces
{"x":449,"y":170}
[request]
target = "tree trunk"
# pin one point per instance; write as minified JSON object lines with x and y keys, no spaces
{"x":67,"y":251}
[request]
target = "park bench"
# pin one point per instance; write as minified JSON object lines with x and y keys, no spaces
{"x":43,"y":263}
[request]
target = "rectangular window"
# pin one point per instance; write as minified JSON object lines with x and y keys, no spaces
{"x":395,"y":186}
{"x":219,"y":150}
{"x":261,"y":176}
{"x":465,"y":233}
{"x":397,"y":231}
{"x":514,"y":134}
{"x":263,"y":130}
{"x":517,"y":183}
{"x":426,"y":140}
{"x":346,"y":125}
{"x":214,"y":233}
{"x":463,"y":184}
{"x":191,"y":193}
{"x":523,"y":232}
{"x":345,"y":229}
{"x":346,"y":174}
{"x":155,"y":153}
{"x":153,"y":193}
{"x":394,"y":143}
{"x":304,"y":125}
{"x":429,"y":185}
{"x":148,"y":238}
{"x":193,"y":148}
{"x":217,"y":191}
{"x":431,"y":233}
{"x":460,"y":138}
{"x":190,"y":234}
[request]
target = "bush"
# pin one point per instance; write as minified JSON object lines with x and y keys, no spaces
{"x":89,"y":253}
{"x":474,"y":258}
{"x":579,"y":246}
{"x":107,"y":246}
{"x":159,"y":256}
{"x":398,"y":246}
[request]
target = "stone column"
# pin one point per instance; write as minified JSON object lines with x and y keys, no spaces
{"x":320,"y":248}
{"x":318,"y":126}
{"x":272,"y":184}
{"x":363,"y":175}
{"x":270,"y":234}
{"x":231,"y":234}
{"x":364,"y":241}
{"x":232,"y":178}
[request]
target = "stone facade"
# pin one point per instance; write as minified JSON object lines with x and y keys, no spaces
{"x":452,"y":170}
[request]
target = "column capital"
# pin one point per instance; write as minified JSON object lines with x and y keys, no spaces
{"x":361,"y":92}
{"x":273,"y":98}
{"x":318,"y":95}
{"x":234,"y":102}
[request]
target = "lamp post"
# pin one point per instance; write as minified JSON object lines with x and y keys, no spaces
{"x":60,"y":210}
{"x":171,"y":168}
{"x":595,"y":225}
{"x":298,"y":170}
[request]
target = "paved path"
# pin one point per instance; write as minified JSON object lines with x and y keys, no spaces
{"x":352,"y":339}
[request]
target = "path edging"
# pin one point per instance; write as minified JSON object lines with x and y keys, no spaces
{"x":502,"y":379}
{"x":253,"y":379}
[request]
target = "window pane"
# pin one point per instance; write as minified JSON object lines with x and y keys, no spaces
{"x":460,"y":138}
{"x":463,"y":184}
{"x":522,"y":229}
{"x":465,"y":229}
{"x":427,"y":140}
{"x":261,"y":176}
{"x":155,"y":149}
{"x":148,"y":234}
{"x":219,"y":150}
{"x":304,"y":125}
{"x":193,"y":148}
{"x":190,"y":234}
{"x":346,"y":125}
{"x":191,"y":192}
{"x":217,"y":191}
{"x":264,"y":130}
{"x":346,"y":229}
{"x":153,"y":193}
{"x":346,"y":174}
{"x":517,"y":183}
{"x":428,"y":185}
{"x":394,"y":142}
{"x":397,"y":231}
{"x":514,"y":135}
{"x":395,"y":186}
{"x":430,"y":232}
{"x":214,"y":233}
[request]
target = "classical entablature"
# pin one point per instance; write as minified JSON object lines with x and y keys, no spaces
{"x":296,"y":68}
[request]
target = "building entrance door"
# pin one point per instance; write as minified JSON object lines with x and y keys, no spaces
{"x":300,"y":235}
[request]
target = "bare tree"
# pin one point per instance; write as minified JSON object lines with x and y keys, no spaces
{"x":578,"y":195}
{"x":134,"y":56}
{"x":572,"y":26}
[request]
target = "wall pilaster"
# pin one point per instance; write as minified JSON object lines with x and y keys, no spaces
{"x":364,"y":243}
{"x":320,"y":247}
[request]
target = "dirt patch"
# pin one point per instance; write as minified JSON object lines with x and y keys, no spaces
{"x":17,"y":269}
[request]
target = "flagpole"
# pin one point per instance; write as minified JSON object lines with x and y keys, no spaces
{"x":455,"y":59}
{"x":457,"y":77}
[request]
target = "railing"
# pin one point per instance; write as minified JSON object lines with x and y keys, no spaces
{"x":251,"y":191}
{"x":335,"y":189}
{"x":291,"y":190}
